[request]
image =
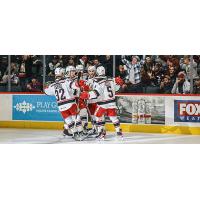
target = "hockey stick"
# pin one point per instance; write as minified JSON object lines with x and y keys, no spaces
{"x":92,"y":121}
{"x":78,"y":137}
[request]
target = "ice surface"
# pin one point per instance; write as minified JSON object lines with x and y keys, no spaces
{"x":38,"y":136}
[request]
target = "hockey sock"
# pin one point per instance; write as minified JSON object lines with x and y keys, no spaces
{"x":116,"y":123}
{"x":79,"y":126}
{"x":100,"y":126}
{"x":84,"y":117}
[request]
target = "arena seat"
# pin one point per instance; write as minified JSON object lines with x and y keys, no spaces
{"x":16,"y":88}
{"x":152,"y":90}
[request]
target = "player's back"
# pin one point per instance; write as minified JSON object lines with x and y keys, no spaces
{"x":63,"y":92}
{"x":107,"y":88}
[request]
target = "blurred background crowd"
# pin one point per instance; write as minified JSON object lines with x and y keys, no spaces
{"x":152,"y":74}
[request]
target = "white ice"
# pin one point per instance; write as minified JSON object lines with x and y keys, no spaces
{"x":41,"y":136}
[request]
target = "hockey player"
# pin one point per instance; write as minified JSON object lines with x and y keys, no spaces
{"x":63,"y":89}
{"x":104,"y":90}
{"x":81,"y":103}
{"x":80,"y":69}
{"x":71,"y":72}
{"x":92,"y":103}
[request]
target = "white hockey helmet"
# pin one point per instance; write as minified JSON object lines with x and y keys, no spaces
{"x":70,"y":68}
{"x":92,"y":68}
{"x":59,"y":71}
{"x":79,"y":68}
{"x":101,"y":71}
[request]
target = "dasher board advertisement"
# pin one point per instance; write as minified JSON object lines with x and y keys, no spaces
{"x":187,"y":111}
{"x":35,"y":108}
{"x":141,"y":109}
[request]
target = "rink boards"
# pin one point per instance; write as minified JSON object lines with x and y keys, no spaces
{"x":138,"y":113}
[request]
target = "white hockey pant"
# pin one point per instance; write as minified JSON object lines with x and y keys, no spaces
{"x":73,"y":123}
{"x":84,"y":117}
{"x":116,"y":123}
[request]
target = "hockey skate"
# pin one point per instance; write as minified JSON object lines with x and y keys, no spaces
{"x":120,"y":135}
{"x":89,"y":131}
{"x":101,"y":135}
{"x":77,"y":136}
{"x":80,"y":136}
{"x":66,"y":133}
{"x":92,"y":132}
{"x":86,"y":131}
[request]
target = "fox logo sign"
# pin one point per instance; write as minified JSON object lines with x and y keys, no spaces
{"x":186,"y":111}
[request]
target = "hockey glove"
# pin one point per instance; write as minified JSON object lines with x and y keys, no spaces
{"x":119,"y":81}
{"x":81,"y":83}
{"x":84,"y":95}
{"x":83,"y":86}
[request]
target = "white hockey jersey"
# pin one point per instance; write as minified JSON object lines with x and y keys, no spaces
{"x":63,"y":90}
{"x":104,"y":91}
{"x":90,"y":83}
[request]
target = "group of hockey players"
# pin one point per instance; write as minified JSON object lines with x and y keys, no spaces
{"x":81,"y":96}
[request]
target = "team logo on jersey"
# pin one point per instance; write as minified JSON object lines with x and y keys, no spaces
{"x":24,"y":107}
{"x":186,"y":111}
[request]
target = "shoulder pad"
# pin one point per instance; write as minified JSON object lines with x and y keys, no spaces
{"x":99,"y":79}
{"x":110,"y":78}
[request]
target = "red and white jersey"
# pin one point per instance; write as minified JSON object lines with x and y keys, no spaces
{"x":83,"y":77}
{"x":63,"y":90}
{"x":105,"y":90}
{"x":90,"y":82}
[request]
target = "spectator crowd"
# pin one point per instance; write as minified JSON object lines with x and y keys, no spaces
{"x":171,"y":74}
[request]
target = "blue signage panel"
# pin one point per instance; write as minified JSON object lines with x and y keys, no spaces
{"x":35,"y":107}
{"x":187,"y":111}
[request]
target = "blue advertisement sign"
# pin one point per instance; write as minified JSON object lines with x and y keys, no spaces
{"x":187,"y":111}
{"x":35,"y":108}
